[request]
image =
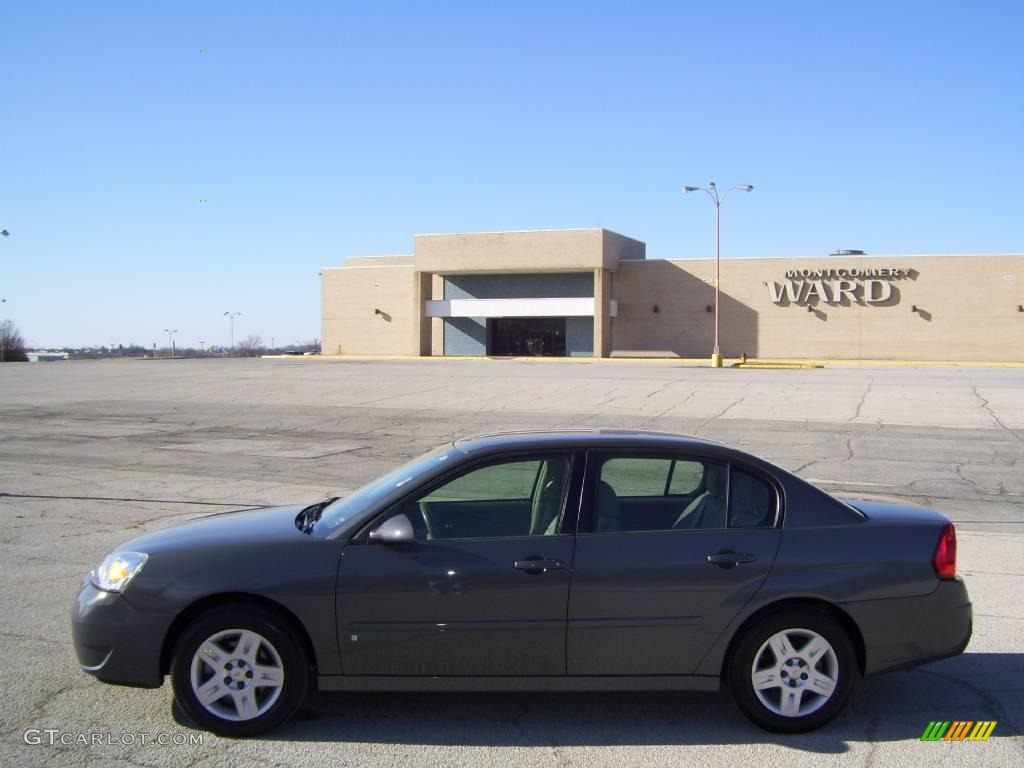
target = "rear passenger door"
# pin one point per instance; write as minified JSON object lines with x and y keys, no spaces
{"x":669,"y":549}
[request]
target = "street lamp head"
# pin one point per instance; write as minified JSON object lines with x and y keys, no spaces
{"x":747,"y":187}
{"x":4,"y":233}
{"x":711,"y":184}
{"x":690,"y":189}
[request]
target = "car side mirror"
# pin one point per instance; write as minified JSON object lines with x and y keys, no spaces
{"x":394,"y":530}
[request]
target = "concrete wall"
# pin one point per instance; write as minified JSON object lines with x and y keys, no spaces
{"x":348,"y":299}
{"x":562,"y":250}
{"x":966,"y":305}
{"x":967,"y":310}
{"x":620,"y":248}
{"x":465,"y":336}
{"x":579,"y":336}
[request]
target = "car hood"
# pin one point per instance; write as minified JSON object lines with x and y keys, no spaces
{"x":223,"y":529}
{"x":882,"y":513}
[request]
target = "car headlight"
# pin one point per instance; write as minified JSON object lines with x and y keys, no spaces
{"x":117,"y":570}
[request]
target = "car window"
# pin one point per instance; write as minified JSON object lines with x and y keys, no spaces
{"x":751,"y":501}
{"x":636,"y":477}
{"x":686,"y":477}
{"x":516,"y":497}
{"x":343,"y":510}
{"x":510,"y":480}
{"x":657,"y":493}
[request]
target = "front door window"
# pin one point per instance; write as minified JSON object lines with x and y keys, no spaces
{"x":506,"y":498}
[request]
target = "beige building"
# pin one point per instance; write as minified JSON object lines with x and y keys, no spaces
{"x":593,"y":293}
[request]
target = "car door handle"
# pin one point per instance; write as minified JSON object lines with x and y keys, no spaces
{"x":730,"y":559}
{"x":538,"y":565}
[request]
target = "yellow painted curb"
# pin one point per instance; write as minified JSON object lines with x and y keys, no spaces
{"x":696,"y":361}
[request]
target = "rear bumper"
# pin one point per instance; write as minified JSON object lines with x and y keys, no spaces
{"x":904,"y":632}
{"x":115,"y":642}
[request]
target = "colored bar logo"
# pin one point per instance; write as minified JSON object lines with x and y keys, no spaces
{"x":958,"y":730}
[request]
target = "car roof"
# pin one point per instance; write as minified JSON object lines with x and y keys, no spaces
{"x":582,"y":438}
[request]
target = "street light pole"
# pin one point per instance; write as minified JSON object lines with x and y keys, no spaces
{"x":712,"y":190}
{"x":3,"y":339}
{"x":3,"y":328}
{"x":231,"y":316}
{"x":170,"y":339}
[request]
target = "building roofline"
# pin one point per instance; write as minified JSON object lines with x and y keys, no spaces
{"x":381,"y":256}
{"x":525,"y":231}
{"x":828,"y":256}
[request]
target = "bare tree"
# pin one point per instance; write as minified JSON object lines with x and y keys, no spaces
{"x":250,"y":346}
{"x":12,"y":346}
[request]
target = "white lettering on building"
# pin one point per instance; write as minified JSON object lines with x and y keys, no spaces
{"x":836,"y":286}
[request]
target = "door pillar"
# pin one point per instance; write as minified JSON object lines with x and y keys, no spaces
{"x":422,"y":289}
{"x":602,"y":312}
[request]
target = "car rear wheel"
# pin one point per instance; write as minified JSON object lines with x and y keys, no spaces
{"x":239,"y":671}
{"x":793,"y":671}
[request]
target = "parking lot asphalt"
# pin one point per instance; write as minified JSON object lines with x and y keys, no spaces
{"x":95,"y":452}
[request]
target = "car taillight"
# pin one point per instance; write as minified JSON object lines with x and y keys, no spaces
{"x":944,"y":559}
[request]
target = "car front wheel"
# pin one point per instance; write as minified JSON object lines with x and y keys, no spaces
{"x":793,"y":671}
{"x":239,"y":671}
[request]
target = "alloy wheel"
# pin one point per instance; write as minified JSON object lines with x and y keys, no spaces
{"x":236,"y":674}
{"x":795,"y":672}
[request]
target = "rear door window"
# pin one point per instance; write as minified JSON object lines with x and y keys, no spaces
{"x":752,"y":501}
{"x":659,"y":493}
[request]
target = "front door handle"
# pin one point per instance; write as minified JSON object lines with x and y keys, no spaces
{"x":538,"y":565}
{"x":730,"y":559}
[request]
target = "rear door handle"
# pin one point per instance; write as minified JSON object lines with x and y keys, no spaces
{"x":538,"y":565}
{"x":731,"y":559}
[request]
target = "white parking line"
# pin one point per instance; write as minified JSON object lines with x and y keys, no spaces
{"x":848,"y":482}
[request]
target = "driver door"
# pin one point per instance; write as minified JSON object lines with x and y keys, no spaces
{"x":484,"y":587}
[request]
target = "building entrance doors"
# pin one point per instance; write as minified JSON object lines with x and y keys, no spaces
{"x":526,"y":337}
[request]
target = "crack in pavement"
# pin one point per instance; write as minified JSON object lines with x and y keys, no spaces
{"x":718,"y":415}
{"x":986,"y":406}
{"x":860,"y":405}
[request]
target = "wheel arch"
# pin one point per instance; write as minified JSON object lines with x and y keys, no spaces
{"x":779,"y":606}
{"x":234,"y":599}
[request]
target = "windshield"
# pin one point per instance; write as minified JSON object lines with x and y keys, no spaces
{"x":341,"y":511}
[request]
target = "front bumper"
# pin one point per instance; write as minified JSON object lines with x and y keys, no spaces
{"x":116,"y":642}
{"x":904,"y":632}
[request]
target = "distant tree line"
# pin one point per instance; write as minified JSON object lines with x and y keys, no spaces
{"x":12,"y":346}
{"x":251,"y":346}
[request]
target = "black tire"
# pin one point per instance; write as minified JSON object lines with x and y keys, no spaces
{"x":797,"y":679}
{"x":278,"y":647}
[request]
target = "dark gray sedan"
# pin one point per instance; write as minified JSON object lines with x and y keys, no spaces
{"x":571,"y":560}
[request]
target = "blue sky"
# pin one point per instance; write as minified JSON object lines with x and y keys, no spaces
{"x":322,"y":130}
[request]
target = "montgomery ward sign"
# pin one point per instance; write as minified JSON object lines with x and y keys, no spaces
{"x":856,"y":285}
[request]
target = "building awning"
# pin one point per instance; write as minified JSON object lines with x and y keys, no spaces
{"x":570,"y":307}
